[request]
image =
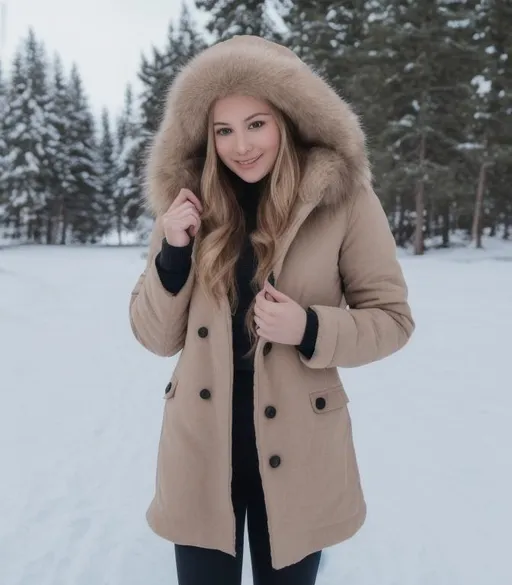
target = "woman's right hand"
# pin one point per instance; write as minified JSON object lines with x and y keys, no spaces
{"x":182,"y":220}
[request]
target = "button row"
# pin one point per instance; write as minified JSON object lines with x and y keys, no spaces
{"x":270,"y":411}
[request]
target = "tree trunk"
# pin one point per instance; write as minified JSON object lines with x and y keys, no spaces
{"x":476,"y":231}
{"x":64,"y":223}
{"x":420,"y":204}
{"x":401,"y":237}
{"x":119,"y":229}
{"x":49,"y":230}
{"x":445,"y":229}
{"x":507,"y":221}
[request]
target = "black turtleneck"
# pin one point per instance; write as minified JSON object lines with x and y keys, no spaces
{"x":173,"y":265}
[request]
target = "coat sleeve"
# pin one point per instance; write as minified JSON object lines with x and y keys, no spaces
{"x":378,"y":321}
{"x":159,"y":318}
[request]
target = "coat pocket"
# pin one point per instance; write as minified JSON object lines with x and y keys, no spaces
{"x":328,"y":399}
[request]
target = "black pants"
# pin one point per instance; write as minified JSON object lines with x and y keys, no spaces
{"x":201,"y":566}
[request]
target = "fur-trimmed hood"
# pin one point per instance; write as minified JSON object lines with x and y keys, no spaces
{"x":337,"y":161}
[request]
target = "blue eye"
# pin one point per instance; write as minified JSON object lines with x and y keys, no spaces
{"x":220,"y":132}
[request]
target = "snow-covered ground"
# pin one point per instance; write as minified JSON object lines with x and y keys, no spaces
{"x":81,"y":411}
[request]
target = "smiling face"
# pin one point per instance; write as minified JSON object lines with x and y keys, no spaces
{"x":247,"y":137}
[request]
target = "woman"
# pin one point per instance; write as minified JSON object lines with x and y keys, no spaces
{"x":271,"y":264}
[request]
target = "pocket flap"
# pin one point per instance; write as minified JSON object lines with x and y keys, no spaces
{"x":328,"y":399}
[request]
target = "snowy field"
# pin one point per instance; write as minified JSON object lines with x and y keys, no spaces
{"x":81,"y":411}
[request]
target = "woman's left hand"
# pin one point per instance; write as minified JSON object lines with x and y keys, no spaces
{"x":279,"y":319}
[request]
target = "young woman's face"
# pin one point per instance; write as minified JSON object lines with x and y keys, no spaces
{"x":247,"y":137}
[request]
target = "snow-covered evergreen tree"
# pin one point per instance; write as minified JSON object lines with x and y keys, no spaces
{"x":490,"y":147}
{"x":107,"y":166}
{"x":184,"y":41}
{"x":29,"y":139}
{"x":126,"y":202}
{"x":61,"y":193}
{"x":230,"y":17}
{"x":428,"y":65}
{"x":21,"y":165}
{"x":82,"y":215}
{"x":3,"y":148}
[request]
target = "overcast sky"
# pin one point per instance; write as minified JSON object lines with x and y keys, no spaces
{"x":104,"y":37}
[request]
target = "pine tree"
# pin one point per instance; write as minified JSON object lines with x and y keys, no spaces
{"x":3,"y":147}
{"x":428,"y":64}
{"x":21,"y":166}
{"x":184,"y":41}
{"x":327,"y":35}
{"x":154,"y":75}
{"x":29,"y":141}
{"x":107,"y":156}
{"x":230,"y":17}
{"x":491,"y":128}
{"x":61,"y":178}
{"x":126,"y":202}
{"x":45,"y":137}
{"x":84,"y":211}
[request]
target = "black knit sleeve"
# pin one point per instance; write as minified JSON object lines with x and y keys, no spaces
{"x":308,"y":343}
{"x":173,"y":265}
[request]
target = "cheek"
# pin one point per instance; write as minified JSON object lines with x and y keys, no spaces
{"x":221,"y":146}
{"x":273,"y":141}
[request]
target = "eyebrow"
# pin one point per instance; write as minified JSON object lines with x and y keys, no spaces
{"x":246,"y":119}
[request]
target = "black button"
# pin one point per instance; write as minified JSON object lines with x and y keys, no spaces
{"x":266,"y":348}
{"x":168,"y":387}
{"x":275,"y":461}
{"x":205,"y":394}
{"x":270,"y":412}
{"x":202,"y":332}
{"x":320,"y":403}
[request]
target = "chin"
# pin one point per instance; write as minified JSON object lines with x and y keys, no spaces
{"x":251,"y":175}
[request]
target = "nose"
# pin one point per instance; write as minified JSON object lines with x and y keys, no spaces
{"x":242,"y":145}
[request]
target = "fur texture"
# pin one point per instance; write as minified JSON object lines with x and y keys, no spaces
{"x":336,"y":162}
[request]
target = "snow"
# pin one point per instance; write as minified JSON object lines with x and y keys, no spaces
{"x":483,"y":85}
{"x":82,"y":408}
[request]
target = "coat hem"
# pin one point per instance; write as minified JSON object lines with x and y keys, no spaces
{"x":175,"y":539}
{"x":321,"y":538}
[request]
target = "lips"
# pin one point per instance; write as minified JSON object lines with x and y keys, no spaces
{"x":248,"y":161}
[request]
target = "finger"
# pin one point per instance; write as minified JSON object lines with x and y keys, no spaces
{"x":262,"y":323}
{"x":187,"y":211}
{"x":269,"y":308}
{"x":261,"y":332}
{"x":191,"y":197}
{"x":195,"y":228}
{"x":181,"y":197}
{"x":262,"y":304}
{"x":265,"y":315}
{"x":186,"y":195}
{"x":186,"y":205}
{"x":276,"y":294}
{"x":259,"y":322}
{"x":258,"y":311}
{"x":184,"y":223}
{"x":193,"y":221}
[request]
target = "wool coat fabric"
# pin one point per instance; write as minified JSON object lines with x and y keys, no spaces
{"x":337,"y":256}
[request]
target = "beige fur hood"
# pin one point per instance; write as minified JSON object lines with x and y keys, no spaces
{"x":337,"y":162}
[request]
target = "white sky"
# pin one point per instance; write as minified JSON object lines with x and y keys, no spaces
{"x":104,"y":37}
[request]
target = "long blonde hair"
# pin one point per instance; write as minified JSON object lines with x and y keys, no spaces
{"x":219,"y":241}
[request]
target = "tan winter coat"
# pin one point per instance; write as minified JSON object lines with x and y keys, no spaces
{"x":337,"y":251}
